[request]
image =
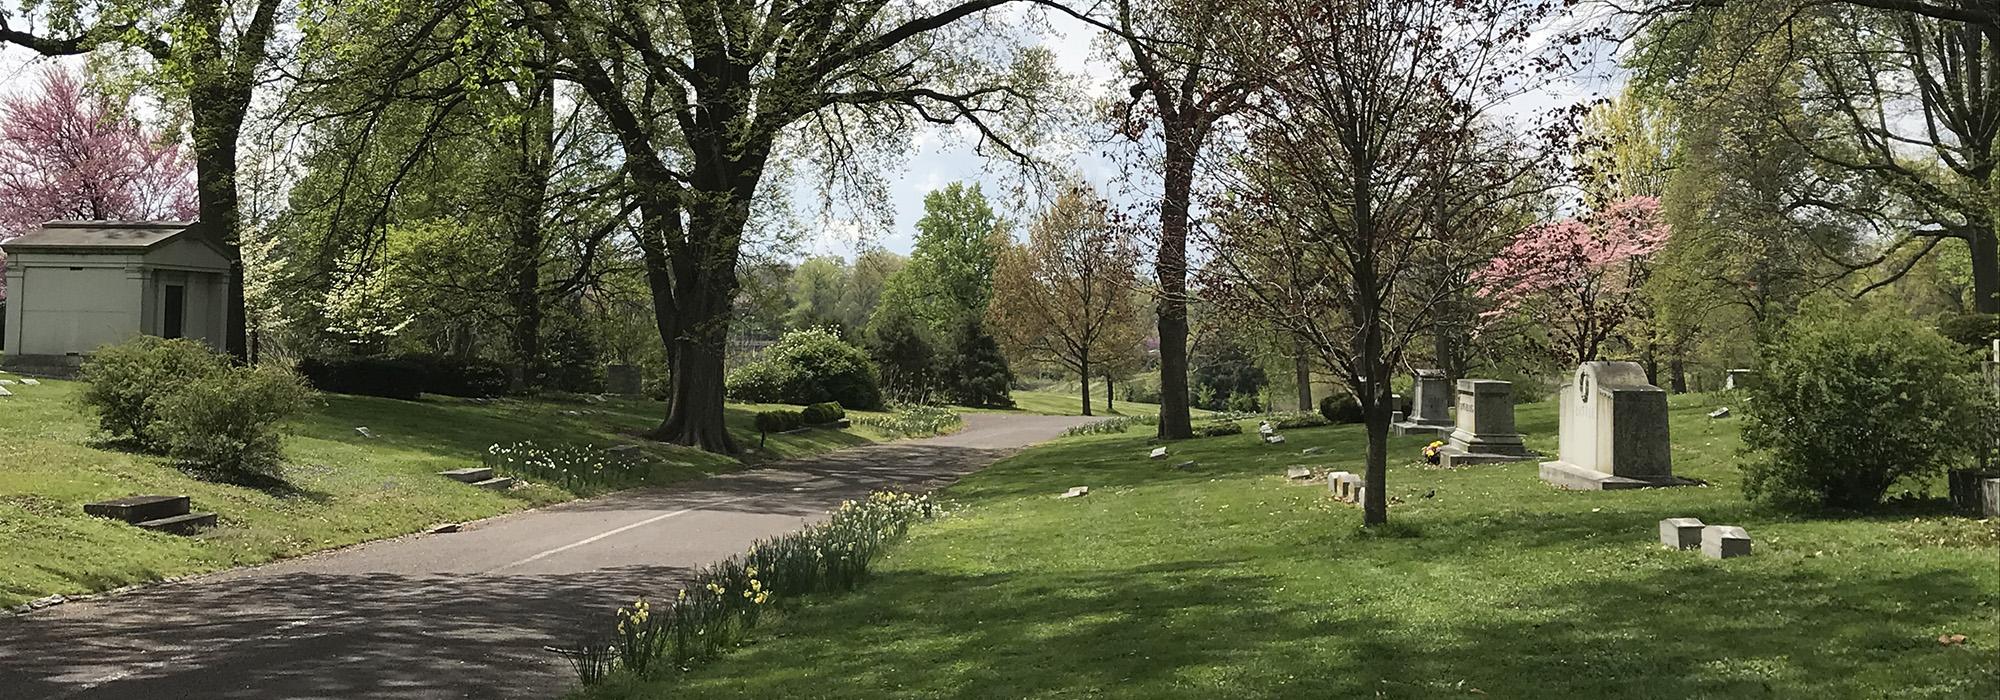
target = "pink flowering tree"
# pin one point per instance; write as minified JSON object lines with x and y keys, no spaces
{"x":1579,"y":279}
{"x":68,"y":152}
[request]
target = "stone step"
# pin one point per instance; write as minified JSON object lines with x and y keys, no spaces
{"x":137,"y":509}
{"x":497,"y":483}
{"x":470,"y":475}
{"x":183,"y":524}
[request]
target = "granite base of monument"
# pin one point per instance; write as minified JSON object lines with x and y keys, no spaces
{"x":1577,"y":478}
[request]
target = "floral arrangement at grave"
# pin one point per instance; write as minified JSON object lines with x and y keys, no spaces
{"x":1434,"y":452}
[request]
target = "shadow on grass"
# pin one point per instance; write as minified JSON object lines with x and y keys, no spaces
{"x":1214,"y":629}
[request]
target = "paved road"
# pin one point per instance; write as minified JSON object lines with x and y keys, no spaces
{"x":461,"y":615}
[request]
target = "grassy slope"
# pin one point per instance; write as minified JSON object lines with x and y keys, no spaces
{"x":345,"y":488}
{"x":1226,"y":581}
{"x":1057,"y":403}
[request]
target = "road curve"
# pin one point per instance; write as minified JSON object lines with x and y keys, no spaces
{"x":462,"y":615}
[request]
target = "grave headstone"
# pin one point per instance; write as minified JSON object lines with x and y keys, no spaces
{"x":6,"y":382}
{"x":1264,"y":428}
{"x":1334,"y":481}
{"x":1274,"y":439}
{"x":363,"y":431}
{"x":1724,"y":542}
{"x":1075,"y":492}
{"x":30,"y":381}
{"x":1989,"y":497}
{"x":5,"y":392}
{"x":1681,"y":533}
{"x":624,"y":380}
{"x":1485,"y":427}
{"x":1190,"y":464}
{"x":1298,"y":473}
{"x":1158,"y":453}
{"x":1719,"y":413}
{"x":1613,"y":431}
{"x":1738,"y":379}
{"x":1312,"y":450}
{"x":1430,"y":407}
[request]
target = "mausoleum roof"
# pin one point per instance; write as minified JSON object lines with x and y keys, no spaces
{"x":101,"y":235}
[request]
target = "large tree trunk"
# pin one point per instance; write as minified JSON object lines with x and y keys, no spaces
{"x":1985,"y":270}
{"x":217,"y":125}
{"x":535,"y":147}
{"x":1083,"y":371}
{"x":1302,"y":376}
{"x":1171,"y":268}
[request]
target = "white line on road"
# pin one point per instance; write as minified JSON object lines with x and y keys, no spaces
{"x":614,"y":531}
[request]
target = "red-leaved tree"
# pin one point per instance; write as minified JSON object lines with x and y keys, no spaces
{"x":69,"y":152}
{"x":1580,"y":278}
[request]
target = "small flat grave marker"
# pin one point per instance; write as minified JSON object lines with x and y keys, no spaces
{"x":1719,"y":413}
{"x":1158,"y":453}
{"x":1298,"y":473}
{"x":1190,"y":464}
{"x":1076,"y":492}
{"x":30,"y":381}
{"x":1724,"y":542}
{"x":1274,"y":439}
{"x":363,"y":431}
{"x":1264,"y":428}
{"x":1312,"y":450}
{"x":1681,"y":533}
{"x":5,"y":392}
{"x":6,"y":382}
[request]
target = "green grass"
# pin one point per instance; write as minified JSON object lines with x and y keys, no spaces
{"x":1049,"y":402}
{"x":1227,"y":581}
{"x":342,"y":488}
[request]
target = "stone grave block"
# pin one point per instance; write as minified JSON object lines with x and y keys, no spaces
{"x":1724,"y":542}
{"x":1681,"y":533}
{"x":1158,"y":453}
{"x":1264,"y":428}
{"x":1334,"y":481}
{"x":1614,"y":431}
{"x":1989,"y":497}
{"x":1184,"y":466}
{"x":1076,"y":492}
{"x":1430,"y":412}
{"x":1351,"y":487}
{"x":1274,"y":439}
{"x":1299,"y":473}
{"x":5,"y":392}
{"x":363,"y":431}
{"x":30,"y":381}
{"x":6,"y":382}
{"x":1312,"y":450}
{"x":1719,"y":413}
{"x":1485,"y":426}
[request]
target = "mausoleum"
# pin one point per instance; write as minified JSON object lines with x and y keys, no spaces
{"x":76,"y":285}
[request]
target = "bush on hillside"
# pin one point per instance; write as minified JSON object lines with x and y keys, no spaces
{"x":1975,"y":331}
{"x":229,"y":424}
{"x":471,"y":378}
{"x":823,"y":413}
{"x":1295,"y":421}
{"x":778,"y":421}
{"x":128,"y":382}
{"x":1341,"y":408}
{"x":806,"y":367}
{"x":976,"y":372}
{"x":387,"y":377}
{"x":1218,"y":429}
{"x":1851,"y":403}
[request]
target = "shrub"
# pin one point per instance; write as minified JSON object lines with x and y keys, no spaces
{"x":387,"y":377}
{"x":1976,"y":331}
{"x":823,"y":413}
{"x":1294,"y":421}
{"x":128,"y":381}
{"x":1218,"y":429}
{"x":976,"y":372}
{"x":777,"y":421}
{"x":805,"y":367}
{"x":1850,"y":403}
{"x":472,"y":378}
{"x":1341,"y":408}
{"x":229,"y":423}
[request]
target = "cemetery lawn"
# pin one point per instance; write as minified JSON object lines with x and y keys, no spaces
{"x":340,"y":488}
{"x":1227,"y":581}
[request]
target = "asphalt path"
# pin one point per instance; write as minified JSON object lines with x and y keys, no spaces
{"x":459,"y":615}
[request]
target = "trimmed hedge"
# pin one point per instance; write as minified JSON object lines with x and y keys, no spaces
{"x":777,"y":421}
{"x":824,"y":413}
{"x":387,"y":377}
{"x":473,"y":378}
{"x":1340,"y":408}
{"x":1218,"y":429}
{"x":1300,"y":420}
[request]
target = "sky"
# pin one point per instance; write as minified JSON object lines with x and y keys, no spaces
{"x":938,"y":158}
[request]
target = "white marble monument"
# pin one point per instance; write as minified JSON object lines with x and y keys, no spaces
{"x":1614,"y":431}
